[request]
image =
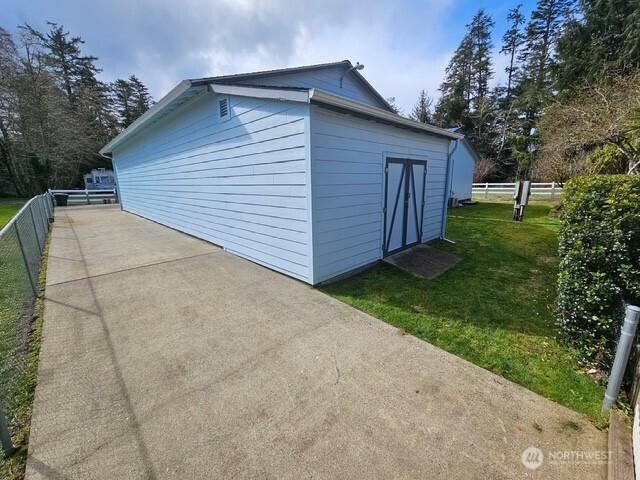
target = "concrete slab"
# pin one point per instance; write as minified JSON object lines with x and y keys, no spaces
{"x":112,"y":242}
{"x":424,"y":261}
{"x":209,"y":366}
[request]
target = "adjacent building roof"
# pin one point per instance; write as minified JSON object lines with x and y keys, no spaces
{"x":188,"y":89}
{"x":470,"y":146}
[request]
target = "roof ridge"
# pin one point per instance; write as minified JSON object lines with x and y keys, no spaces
{"x":274,"y":71}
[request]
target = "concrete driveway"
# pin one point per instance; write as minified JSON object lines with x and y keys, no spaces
{"x":166,"y":357}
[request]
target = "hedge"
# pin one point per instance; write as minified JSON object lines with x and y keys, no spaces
{"x":599,"y":247}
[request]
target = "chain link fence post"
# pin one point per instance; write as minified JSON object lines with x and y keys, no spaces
{"x":25,"y":259}
{"x":33,"y":221}
{"x":43,"y":220}
{"x":47,"y":206}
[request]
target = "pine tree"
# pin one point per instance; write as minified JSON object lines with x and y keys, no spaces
{"x":63,"y":55}
{"x":131,"y":99}
{"x":141,"y":96}
{"x":535,"y":78}
{"x":466,"y":86}
{"x":453,"y":107}
{"x":122,"y":94}
{"x":422,"y":109}
{"x":391,"y":101}
{"x":543,"y":32}
{"x":602,"y":42}
{"x":481,"y":68}
{"x":511,"y":43}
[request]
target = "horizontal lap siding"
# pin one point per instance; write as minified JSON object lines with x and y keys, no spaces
{"x":239,"y":183}
{"x":347,"y":166}
{"x":327,"y":79}
{"x":462,"y":172}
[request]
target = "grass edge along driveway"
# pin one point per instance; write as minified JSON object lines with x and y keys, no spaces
{"x":494,"y":309}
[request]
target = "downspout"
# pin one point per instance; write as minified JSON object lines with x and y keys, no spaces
{"x":447,"y":191}
{"x":115,"y":176}
{"x":115,"y":173}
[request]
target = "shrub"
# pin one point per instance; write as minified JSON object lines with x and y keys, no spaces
{"x":606,"y":159}
{"x":599,"y":261}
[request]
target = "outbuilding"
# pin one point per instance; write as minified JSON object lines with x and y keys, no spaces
{"x":306,"y":170}
{"x":464,"y":158}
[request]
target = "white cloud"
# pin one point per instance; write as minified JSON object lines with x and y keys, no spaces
{"x":404,"y":44}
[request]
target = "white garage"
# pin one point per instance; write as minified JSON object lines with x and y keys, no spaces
{"x":304,"y":170}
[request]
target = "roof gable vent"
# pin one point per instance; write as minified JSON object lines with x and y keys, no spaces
{"x":223,"y":108}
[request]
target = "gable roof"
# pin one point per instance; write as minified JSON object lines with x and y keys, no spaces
{"x":470,"y":146}
{"x":188,"y":89}
{"x":345,"y":64}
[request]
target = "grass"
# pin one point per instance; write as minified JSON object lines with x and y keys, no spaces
{"x":8,"y":208}
{"x":20,"y":331}
{"x":13,"y":468}
{"x":495,"y":308}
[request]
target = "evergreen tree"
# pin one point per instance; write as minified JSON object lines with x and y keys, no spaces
{"x":465,"y":90}
{"x":535,"y":78}
{"x":603,"y":41}
{"x":122,"y":94}
{"x":131,"y":99}
{"x":454,"y":104}
{"x":511,"y":43}
{"x":422,"y":109}
{"x":394,"y":106}
{"x":63,"y":55}
{"x":141,"y":96}
{"x":543,"y":32}
{"x":481,"y":68}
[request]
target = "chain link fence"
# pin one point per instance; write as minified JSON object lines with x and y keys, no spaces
{"x":22,"y":244}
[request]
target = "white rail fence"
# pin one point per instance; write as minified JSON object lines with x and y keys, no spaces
{"x":548,"y":189}
{"x":88,"y":196}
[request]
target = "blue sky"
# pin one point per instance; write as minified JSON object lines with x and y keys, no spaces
{"x":404,"y":44}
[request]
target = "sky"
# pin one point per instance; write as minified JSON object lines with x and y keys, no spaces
{"x":405,"y":45}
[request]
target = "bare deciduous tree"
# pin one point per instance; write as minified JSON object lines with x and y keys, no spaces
{"x":484,"y":169}
{"x":598,"y":116}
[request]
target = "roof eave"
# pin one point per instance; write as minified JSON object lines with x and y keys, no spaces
{"x":147,"y":116}
{"x":304,"y":96}
{"x":322,"y":97}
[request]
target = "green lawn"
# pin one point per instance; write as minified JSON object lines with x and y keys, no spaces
{"x":495,"y":308}
{"x":8,"y":208}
